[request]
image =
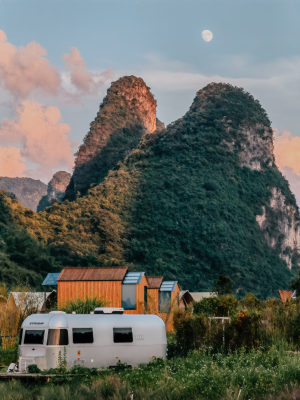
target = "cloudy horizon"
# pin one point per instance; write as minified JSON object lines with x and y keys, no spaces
{"x":54,"y":70}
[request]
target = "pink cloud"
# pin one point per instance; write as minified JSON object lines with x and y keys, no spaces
{"x":11,"y":162}
{"x":41,"y":135}
{"x":84,"y":80}
{"x":287,"y":150}
{"x":294,"y":181}
{"x":25,"y":69}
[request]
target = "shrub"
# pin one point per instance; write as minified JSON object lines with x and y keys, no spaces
{"x":245,"y":330}
{"x":33,"y":369}
{"x":83,"y":306}
{"x":219,"y":306}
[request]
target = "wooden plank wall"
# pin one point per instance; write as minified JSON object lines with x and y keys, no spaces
{"x":152,"y":301}
{"x":168,"y":318}
{"x":108,"y":291}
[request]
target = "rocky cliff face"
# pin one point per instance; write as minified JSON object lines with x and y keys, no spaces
{"x":28,"y":191}
{"x":127,"y":112}
{"x":249,"y":135}
{"x":280,"y":224}
{"x":55,"y":190}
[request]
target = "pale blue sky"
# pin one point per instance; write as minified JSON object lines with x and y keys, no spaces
{"x":256,"y":45}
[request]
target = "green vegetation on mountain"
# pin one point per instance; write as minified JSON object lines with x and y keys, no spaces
{"x":126,"y":113}
{"x":23,"y":259}
{"x":184,"y":203}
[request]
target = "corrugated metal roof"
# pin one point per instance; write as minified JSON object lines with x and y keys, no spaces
{"x":133,"y":278}
{"x":92,"y":274}
{"x":154,"y":282}
{"x":168,"y":286}
{"x":51,"y":279}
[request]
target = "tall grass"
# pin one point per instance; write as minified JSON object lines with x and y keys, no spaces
{"x":252,"y":375}
{"x":83,"y":306}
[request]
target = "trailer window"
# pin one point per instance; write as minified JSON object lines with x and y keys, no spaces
{"x":164,"y":302}
{"x":123,"y":335}
{"x":129,"y":297}
{"x":34,"y":337}
{"x":83,"y":335}
{"x":58,"y":337}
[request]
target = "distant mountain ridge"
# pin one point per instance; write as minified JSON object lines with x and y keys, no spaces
{"x":55,"y":190}
{"x":27,"y":190}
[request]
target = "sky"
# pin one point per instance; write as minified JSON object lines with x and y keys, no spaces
{"x":58,"y":57}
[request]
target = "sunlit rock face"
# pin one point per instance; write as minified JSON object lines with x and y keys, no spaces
{"x":128,"y":111}
{"x":280,"y":224}
{"x":55,"y":190}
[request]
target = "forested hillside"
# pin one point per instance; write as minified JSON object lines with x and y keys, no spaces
{"x":23,"y":259}
{"x":186,"y":203}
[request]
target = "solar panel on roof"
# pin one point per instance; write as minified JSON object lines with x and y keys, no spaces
{"x":133,"y":278}
{"x":51,"y":279}
{"x":168,"y":286}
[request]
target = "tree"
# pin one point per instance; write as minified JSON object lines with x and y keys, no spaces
{"x":223,"y":285}
{"x":295,"y":282}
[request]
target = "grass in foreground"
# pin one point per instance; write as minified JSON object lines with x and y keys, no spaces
{"x":255,"y":375}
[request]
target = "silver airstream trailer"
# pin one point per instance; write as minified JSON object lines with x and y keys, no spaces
{"x":90,"y":340}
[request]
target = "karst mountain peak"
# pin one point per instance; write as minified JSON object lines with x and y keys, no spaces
{"x":127,"y":112}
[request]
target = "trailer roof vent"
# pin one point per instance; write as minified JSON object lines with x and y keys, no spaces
{"x":108,"y":310}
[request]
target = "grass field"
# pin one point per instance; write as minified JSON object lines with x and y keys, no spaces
{"x":258,"y":374}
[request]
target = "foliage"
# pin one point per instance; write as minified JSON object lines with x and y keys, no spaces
{"x":23,"y":259}
{"x":33,"y":369}
{"x":217,"y":306}
{"x":82,"y":306}
{"x":8,"y":356}
{"x":62,"y":360}
{"x":223,"y":285}
{"x":295,"y":282}
{"x":252,"y":323}
{"x":199,"y":376}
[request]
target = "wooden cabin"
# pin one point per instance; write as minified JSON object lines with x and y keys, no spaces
{"x":116,"y":287}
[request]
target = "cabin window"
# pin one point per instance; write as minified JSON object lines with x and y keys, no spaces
{"x":129,"y":297}
{"x":123,"y":335}
{"x":34,"y":337}
{"x":20,"y":337}
{"x":164,"y":302}
{"x":57,"y":337}
{"x":83,"y":335}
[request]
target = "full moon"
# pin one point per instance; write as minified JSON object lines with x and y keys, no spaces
{"x":207,"y":35}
